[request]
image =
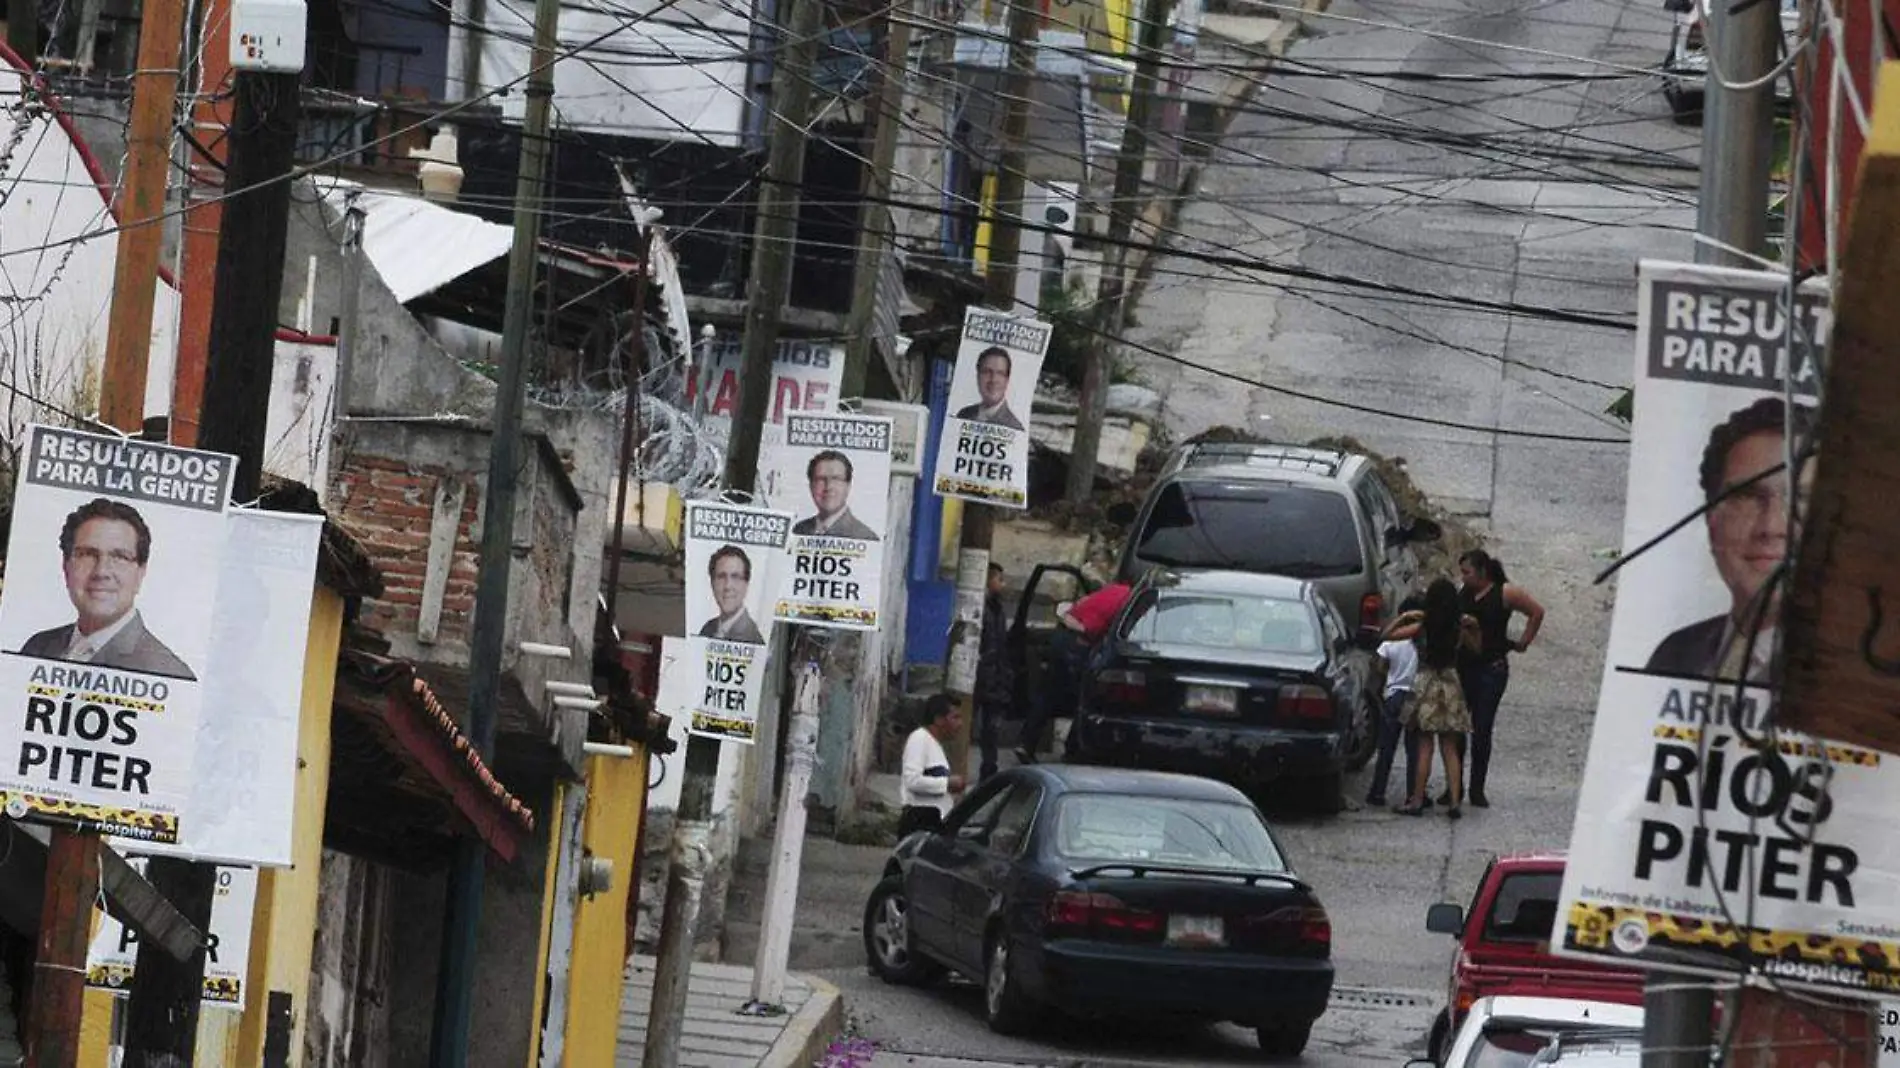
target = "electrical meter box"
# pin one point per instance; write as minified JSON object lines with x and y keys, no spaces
{"x":268,"y":35}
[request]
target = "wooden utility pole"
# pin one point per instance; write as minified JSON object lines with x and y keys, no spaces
{"x":162,"y":1010}
{"x":202,"y":222}
{"x":773,"y":241}
{"x":1123,"y":205}
{"x":876,"y":228}
{"x":72,"y":864}
{"x":455,"y":978}
{"x":1006,"y":239}
{"x":148,"y":150}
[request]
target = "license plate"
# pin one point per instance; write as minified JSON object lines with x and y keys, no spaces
{"x":1196,"y":931}
{"x":1213,"y":700}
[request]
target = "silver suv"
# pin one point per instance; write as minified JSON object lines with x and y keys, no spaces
{"x":1318,"y":514}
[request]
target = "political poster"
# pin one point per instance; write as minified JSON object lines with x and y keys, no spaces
{"x":984,"y":452}
{"x":106,"y":629}
{"x":806,"y":377}
{"x":834,"y":473}
{"x":1705,"y":842}
{"x":734,"y":555}
{"x":253,"y":695}
{"x":112,"y":956}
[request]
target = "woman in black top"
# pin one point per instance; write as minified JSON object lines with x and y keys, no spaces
{"x":1488,"y":597}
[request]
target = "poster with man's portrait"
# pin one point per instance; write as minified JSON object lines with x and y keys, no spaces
{"x":734,"y":556}
{"x":834,"y":475}
{"x":984,"y":452}
{"x":1692,"y":817}
{"x":105,"y":629}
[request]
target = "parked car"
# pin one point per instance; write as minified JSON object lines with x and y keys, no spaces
{"x":1516,"y":1032}
{"x":1686,"y":64}
{"x":1317,"y":514}
{"x":1249,"y":679}
{"x":1121,"y":894}
{"x":1504,"y":945}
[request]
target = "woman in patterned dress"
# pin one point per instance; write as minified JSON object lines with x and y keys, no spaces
{"x":1439,"y":710}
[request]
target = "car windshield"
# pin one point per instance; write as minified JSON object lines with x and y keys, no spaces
{"x":1217,"y":621}
{"x":1274,"y":529}
{"x":1525,"y":909}
{"x":1167,"y":831}
{"x":1515,"y":1044}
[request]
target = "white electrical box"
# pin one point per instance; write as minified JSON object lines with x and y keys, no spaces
{"x":268,"y":35}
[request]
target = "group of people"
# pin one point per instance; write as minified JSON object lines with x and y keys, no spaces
{"x":1447,"y":666}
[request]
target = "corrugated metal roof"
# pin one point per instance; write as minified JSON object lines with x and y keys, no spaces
{"x":418,"y":246}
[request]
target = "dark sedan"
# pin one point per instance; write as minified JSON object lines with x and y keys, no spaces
{"x":1099,"y":892}
{"x":1245,"y":678}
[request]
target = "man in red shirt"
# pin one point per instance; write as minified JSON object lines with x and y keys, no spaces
{"x":1084,"y":624}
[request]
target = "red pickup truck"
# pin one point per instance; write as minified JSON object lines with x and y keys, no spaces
{"x":1504,"y":945}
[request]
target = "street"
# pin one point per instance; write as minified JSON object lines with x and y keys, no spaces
{"x":1353,"y":186}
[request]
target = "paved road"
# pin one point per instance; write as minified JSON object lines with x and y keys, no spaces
{"x":1484,"y":217}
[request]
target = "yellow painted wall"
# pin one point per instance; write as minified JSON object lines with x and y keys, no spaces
{"x":283,"y":928}
{"x":549,"y":887}
{"x":985,"y":225}
{"x":616,"y":801}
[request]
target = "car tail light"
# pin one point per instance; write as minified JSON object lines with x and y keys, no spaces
{"x":1309,"y":703}
{"x":1371,"y":610}
{"x":1466,"y":998}
{"x":1296,"y":928}
{"x":1104,"y":916}
{"x":1119,"y":686}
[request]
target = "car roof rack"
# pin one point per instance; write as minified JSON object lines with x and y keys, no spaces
{"x":1324,"y":462}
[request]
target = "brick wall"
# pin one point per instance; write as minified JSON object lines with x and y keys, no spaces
{"x":389,"y":504}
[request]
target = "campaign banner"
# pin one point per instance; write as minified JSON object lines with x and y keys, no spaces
{"x":984,"y":452}
{"x":105,"y":629}
{"x":733,"y":555}
{"x":835,"y":472}
{"x":112,"y":957}
{"x":806,"y":377}
{"x":1703,"y":841}
{"x":253,"y":695}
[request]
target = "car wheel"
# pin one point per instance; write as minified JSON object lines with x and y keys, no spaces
{"x":1285,"y":1040}
{"x":889,"y":949}
{"x":1365,"y":738}
{"x":1008,"y":1009}
{"x":1439,"y":1044}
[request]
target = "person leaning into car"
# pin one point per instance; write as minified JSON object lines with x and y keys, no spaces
{"x":927,"y":788}
{"x":1083,"y":625}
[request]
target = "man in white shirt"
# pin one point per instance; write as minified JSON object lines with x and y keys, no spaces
{"x":928,"y":789}
{"x":1401,"y":670}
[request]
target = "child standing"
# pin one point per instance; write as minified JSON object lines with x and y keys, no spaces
{"x":1401,"y":672}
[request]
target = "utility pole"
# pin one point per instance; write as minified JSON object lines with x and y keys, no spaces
{"x":72,"y":863}
{"x":1732,"y":209}
{"x":875,"y":222}
{"x":162,"y":1009}
{"x":1130,"y":166}
{"x":773,"y":238}
{"x":202,"y":222}
{"x":1738,"y":128}
{"x":455,"y":978}
{"x":1006,"y":238}
{"x":148,"y":152}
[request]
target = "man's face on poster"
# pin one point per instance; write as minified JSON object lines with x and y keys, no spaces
{"x":992,"y":378}
{"x":103,"y":572}
{"x":1748,"y":531}
{"x":830,"y":486}
{"x":729,"y":584}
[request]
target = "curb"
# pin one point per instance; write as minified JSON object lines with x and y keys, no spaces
{"x":810,"y":1030}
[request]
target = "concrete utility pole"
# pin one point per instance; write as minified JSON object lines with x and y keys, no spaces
{"x":1738,"y":129}
{"x":1123,"y":205}
{"x":773,"y":237}
{"x":455,"y":976}
{"x":1732,"y":208}
{"x":999,"y":285}
{"x":72,"y":863}
{"x":788,"y":837}
{"x":162,"y":1010}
